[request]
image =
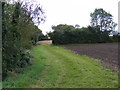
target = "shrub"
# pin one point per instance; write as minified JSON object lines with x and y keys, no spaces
{"x":19,"y":33}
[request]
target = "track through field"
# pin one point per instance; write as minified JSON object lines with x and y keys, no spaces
{"x":65,"y":69}
{"x":56,"y":67}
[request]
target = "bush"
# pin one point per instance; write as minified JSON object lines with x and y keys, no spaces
{"x":19,"y":33}
{"x":26,"y":59}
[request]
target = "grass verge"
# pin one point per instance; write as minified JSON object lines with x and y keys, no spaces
{"x":30,"y":74}
{"x":55,"y":67}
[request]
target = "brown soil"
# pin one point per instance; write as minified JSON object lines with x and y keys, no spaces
{"x":44,"y":42}
{"x":106,"y":53}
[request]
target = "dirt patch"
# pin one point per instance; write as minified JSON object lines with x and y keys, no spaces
{"x":106,"y":53}
{"x":45,"y":42}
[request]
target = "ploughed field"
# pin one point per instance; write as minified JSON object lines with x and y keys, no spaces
{"x":106,"y":53}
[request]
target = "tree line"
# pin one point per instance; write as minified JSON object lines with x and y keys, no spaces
{"x":98,"y":32}
{"x":19,"y":34}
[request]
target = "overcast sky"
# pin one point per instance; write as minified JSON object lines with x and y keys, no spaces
{"x":74,"y":12}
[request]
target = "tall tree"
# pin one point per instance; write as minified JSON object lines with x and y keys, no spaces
{"x":102,"y":19}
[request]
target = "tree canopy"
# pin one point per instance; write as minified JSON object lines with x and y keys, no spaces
{"x":67,"y":34}
{"x":102,"y":19}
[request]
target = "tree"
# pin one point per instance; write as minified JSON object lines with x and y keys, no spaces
{"x":63,"y":27}
{"x":18,"y":34}
{"x":66,"y":34}
{"x":102,"y":19}
{"x":77,"y":26}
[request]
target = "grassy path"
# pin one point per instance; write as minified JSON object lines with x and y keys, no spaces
{"x":55,"y":67}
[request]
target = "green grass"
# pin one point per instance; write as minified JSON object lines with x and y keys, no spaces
{"x":30,"y":74}
{"x":0,"y":85}
{"x":55,"y":67}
